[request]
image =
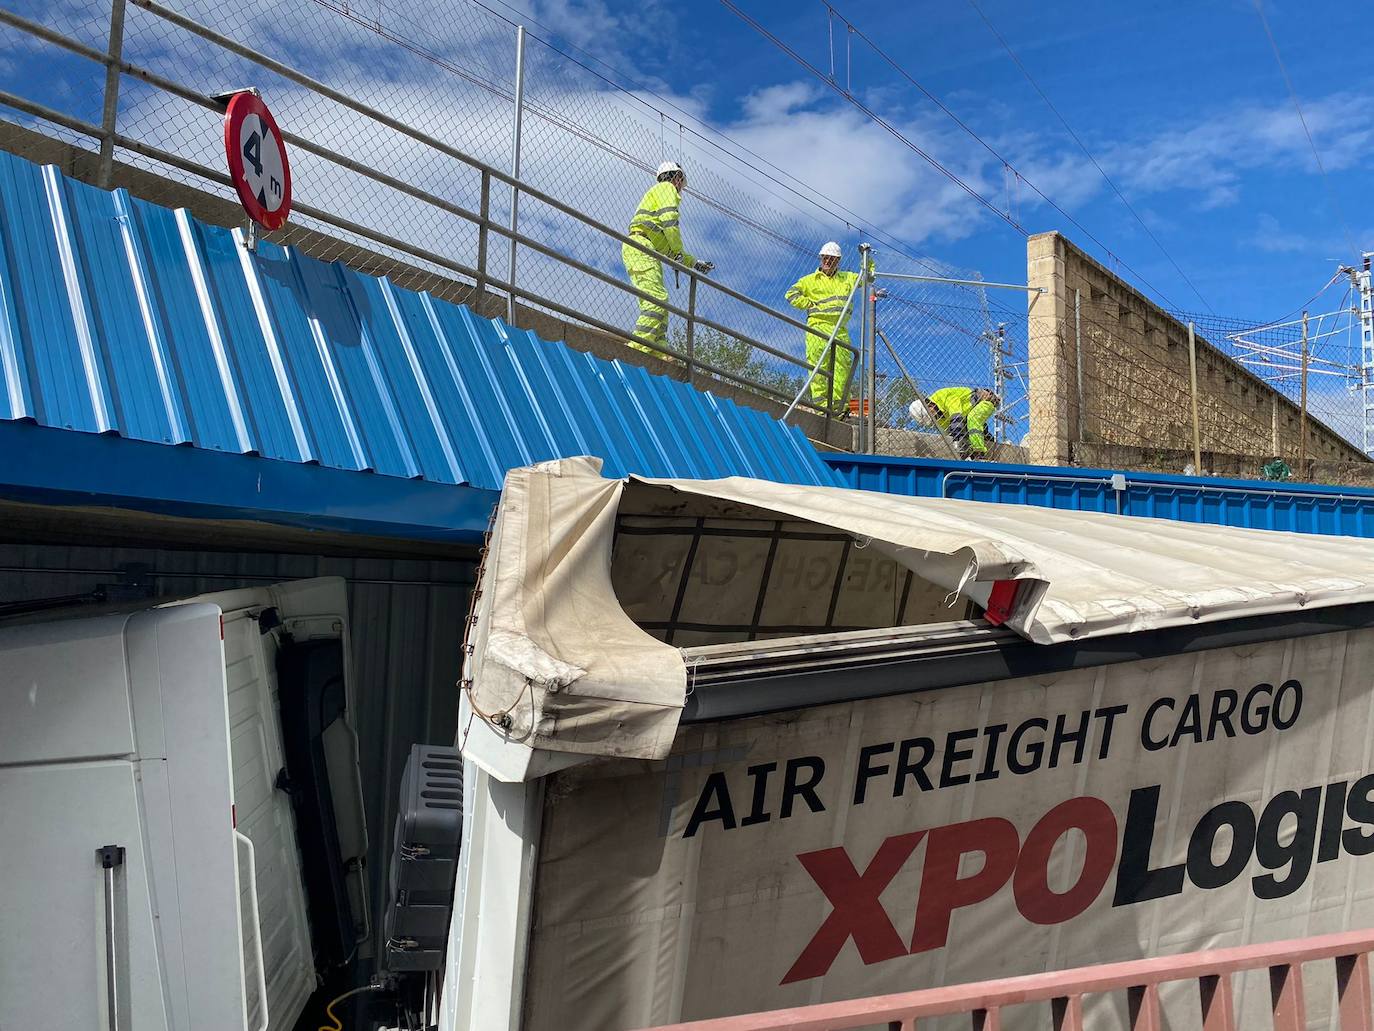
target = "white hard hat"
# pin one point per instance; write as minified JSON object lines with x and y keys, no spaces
{"x":830,"y":250}
{"x":668,"y":166}
{"x":920,"y":413}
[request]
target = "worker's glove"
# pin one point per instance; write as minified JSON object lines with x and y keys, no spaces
{"x":879,"y":294}
{"x":704,"y":267}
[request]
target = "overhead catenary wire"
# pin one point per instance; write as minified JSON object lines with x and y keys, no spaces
{"x":952,"y":176}
{"x":1011,"y":168}
{"x":1006,"y":162}
{"x":929,"y":158}
{"x":567,"y":125}
{"x":1297,"y":106}
{"x":1087,"y":153}
{"x":706,"y":136}
{"x":1339,"y":273}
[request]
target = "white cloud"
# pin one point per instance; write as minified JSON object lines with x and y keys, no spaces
{"x":589,"y":144}
{"x":778,"y":101}
{"x":1211,"y":157}
{"x":1270,"y":236}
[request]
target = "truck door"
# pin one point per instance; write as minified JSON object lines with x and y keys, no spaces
{"x":113,"y":732}
{"x":297,"y":791}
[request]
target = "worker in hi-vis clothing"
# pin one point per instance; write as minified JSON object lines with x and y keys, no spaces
{"x":961,"y":412}
{"x":823,"y":296}
{"x":656,"y":224}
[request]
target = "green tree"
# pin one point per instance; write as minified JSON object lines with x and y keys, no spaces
{"x":739,"y":358}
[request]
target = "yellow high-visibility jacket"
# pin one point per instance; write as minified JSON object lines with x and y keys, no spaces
{"x":657,"y":222}
{"x":822,"y":297}
{"x":958,"y":401}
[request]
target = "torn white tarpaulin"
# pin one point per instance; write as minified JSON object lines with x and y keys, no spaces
{"x":557,"y":664}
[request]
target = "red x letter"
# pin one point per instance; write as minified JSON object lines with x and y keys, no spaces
{"x":857,"y":912}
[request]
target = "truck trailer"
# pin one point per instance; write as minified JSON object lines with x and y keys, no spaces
{"x":733,"y":746}
{"x":727,"y":746}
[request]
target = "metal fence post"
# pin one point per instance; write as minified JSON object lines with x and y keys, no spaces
{"x":868,"y":344}
{"x":871,"y":303}
{"x":515,"y":161}
{"x":692,"y":329}
{"x":1192,"y":382}
{"x":1078,"y":352}
{"x":110,"y":115}
{"x":859,"y":360}
{"x":830,"y":392}
{"x":1302,"y":420}
{"x":483,"y":236}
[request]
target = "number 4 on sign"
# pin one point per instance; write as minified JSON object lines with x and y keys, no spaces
{"x":252,"y":152}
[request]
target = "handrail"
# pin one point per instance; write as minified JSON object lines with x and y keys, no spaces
{"x":1140,"y":978}
{"x":314,"y":85}
{"x":481,"y":219}
{"x":247,"y":842}
{"x":8,"y":99}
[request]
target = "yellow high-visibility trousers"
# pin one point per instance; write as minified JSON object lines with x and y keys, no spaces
{"x":844,"y":361}
{"x":646,"y":273}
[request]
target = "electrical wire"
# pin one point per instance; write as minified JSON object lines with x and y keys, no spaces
{"x":1006,"y":163}
{"x":1087,"y":153}
{"x":1288,"y":81}
{"x":743,"y":159}
{"x":1308,"y":303}
{"x":755,"y":164}
{"x":901,"y":137}
{"x":1006,"y":216}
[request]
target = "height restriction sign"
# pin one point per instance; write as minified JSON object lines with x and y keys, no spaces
{"x":257,"y":160}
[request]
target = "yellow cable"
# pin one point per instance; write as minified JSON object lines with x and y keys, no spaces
{"x":329,"y":1010}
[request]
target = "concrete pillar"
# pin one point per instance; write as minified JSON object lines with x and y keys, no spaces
{"x":1050,"y":351}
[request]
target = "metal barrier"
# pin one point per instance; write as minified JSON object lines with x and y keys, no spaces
{"x":109,"y":137}
{"x":1248,"y":504}
{"x":1064,"y":991}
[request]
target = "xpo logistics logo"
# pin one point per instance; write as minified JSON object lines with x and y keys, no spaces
{"x":1317,"y":816}
{"x":1285,"y":836}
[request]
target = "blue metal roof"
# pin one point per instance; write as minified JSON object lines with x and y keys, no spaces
{"x":119,"y":316}
{"x":1252,"y":504}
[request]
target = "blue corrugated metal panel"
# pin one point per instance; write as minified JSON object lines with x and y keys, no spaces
{"x":1253,"y":504}
{"x":117,"y":316}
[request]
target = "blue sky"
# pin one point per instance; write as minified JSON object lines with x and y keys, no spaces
{"x":1182,"y":103}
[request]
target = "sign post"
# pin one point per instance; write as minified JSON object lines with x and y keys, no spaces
{"x":258,"y":165}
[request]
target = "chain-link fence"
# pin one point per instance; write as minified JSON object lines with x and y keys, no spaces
{"x":1325,"y":353}
{"x":1120,"y":383}
{"x":942,"y":329}
{"x":402,"y":122}
{"x":391,"y":113}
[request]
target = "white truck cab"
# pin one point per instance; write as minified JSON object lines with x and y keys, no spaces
{"x":182,"y":814}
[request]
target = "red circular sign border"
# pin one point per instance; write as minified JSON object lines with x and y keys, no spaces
{"x":241,"y":105}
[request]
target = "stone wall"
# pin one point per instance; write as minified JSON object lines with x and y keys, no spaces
{"x":1134,"y":379}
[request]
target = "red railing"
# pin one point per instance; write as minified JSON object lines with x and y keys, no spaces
{"x":1063,"y":991}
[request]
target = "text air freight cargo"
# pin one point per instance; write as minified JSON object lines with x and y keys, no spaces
{"x":735,"y":746}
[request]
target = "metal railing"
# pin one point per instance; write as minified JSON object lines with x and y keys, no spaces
{"x":478,"y":269}
{"x":1063,"y":993}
